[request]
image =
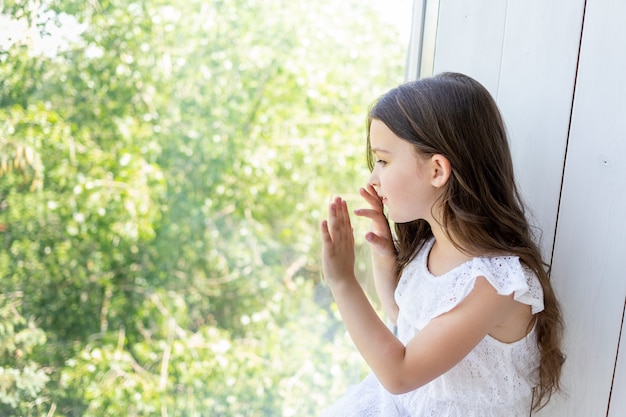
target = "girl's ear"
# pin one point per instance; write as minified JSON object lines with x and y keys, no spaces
{"x":441,"y":170}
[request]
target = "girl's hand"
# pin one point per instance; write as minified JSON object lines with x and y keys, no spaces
{"x":338,"y":244}
{"x":379,"y":237}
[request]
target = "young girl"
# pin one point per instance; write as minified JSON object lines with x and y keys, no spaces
{"x":478,"y":324}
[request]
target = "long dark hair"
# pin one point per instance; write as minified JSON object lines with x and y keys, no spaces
{"x":482,"y":212}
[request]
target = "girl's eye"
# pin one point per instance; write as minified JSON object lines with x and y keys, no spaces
{"x":381,"y":162}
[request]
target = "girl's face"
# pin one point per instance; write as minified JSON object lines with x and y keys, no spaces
{"x":401,"y":177}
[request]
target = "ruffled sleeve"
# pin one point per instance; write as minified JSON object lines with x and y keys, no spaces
{"x":421,"y":296}
{"x":509,"y":276}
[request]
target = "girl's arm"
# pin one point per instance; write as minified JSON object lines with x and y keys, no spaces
{"x":435,"y":349}
{"x":385,"y":282}
{"x":383,"y":252}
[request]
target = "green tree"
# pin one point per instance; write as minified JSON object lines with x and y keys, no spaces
{"x":21,"y":379}
{"x":162,"y":177}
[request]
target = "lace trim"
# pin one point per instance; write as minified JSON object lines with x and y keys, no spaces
{"x":422,"y":296}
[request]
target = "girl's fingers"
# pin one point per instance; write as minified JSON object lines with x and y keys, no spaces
{"x":369,"y":213}
{"x":370,"y":196}
{"x":339,"y":225}
{"x":326,"y":239}
{"x":336,"y":214}
{"x":346,"y":215}
{"x":379,"y":221}
{"x":337,"y":243}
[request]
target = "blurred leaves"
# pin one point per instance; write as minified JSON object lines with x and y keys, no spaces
{"x":21,"y":379}
{"x":163,"y":170}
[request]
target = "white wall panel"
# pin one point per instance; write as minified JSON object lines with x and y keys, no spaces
{"x":470,"y":34}
{"x":590,"y":249}
{"x":618,"y":397}
{"x":526,"y":54}
{"x":537,"y":75}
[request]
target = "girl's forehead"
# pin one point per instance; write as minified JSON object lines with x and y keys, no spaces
{"x":380,"y":133}
{"x":383,"y":140}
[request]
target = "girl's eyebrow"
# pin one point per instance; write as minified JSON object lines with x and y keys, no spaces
{"x":378,"y":150}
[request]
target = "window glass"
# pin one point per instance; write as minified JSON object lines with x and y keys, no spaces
{"x":164,"y":166}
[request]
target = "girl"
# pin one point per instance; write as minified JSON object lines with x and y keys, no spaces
{"x":478,"y":324}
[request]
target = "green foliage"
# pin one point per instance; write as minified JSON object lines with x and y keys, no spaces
{"x":21,"y":379}
{"x":162,"y":178}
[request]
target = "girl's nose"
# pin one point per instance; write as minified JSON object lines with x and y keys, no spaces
{"x":373,"y":179}
{"x":374,"y":182}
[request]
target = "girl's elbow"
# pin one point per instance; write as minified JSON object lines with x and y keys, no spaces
{"x":397,"y":386}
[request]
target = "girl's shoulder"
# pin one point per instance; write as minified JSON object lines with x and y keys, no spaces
{"x":508,"y":275}
{"x":432,"y":295}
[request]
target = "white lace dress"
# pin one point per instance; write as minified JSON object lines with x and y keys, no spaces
{"x":493,"y":380}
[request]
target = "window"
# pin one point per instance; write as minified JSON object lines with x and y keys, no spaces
{"x":164,"y":166}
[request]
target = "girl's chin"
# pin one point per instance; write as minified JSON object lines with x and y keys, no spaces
{"x":401,"y":219}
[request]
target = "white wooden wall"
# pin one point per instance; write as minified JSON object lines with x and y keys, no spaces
{"x":557,"y":69}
